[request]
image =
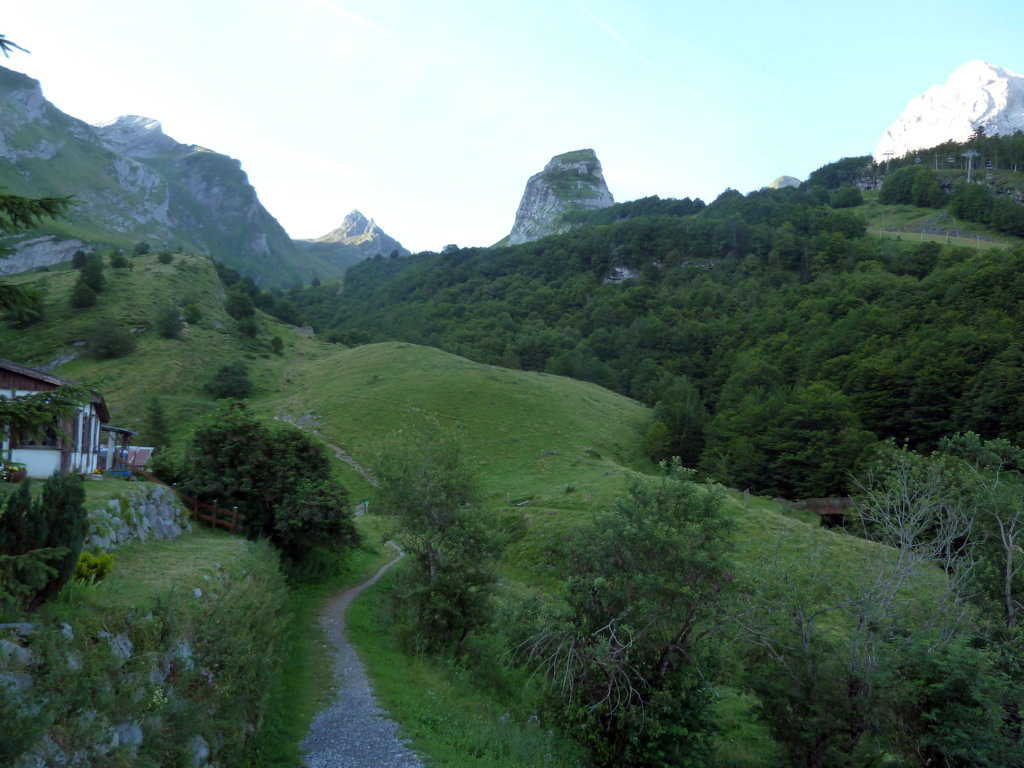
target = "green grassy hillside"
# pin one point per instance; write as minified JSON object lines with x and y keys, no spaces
{"x":173,"y":369}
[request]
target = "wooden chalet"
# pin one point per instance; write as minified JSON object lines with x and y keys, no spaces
{"x":70,"y":445}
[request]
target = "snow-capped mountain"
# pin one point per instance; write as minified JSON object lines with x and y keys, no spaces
{"x":977,"y":94}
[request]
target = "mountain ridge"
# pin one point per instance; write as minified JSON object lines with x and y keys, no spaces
{"x":129,"y":181}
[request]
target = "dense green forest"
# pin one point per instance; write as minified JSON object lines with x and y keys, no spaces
{"x":777,"y":340}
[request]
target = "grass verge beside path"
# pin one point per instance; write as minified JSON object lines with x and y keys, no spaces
{"x":305,"y":681}
{"x":450,"y":722}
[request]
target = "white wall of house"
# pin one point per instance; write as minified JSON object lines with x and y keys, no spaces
{"x":83,"y":439}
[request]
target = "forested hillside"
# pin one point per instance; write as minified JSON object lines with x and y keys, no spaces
{"x":777,"y":338}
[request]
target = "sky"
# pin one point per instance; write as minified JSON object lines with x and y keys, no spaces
{"x":430,"y":115}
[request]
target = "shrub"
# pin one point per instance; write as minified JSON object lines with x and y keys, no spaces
{"x":94,"y":567}
{"x":277,"y":476}
{"x":231,"y":380}
{"x":639,"y":583}
{"x":92,"y":273}
{"x":248,"y":326}
{"x":239,"y":304}
{"x":82,"y":295}
{"x":110,"y":340}
{"x":192,"y":313}
{"x":117,"y":259}
{"x":165,"y":257}
{"x":78,"y":259}
{"x":168,"y":322}
{"x":847,"y":196}
{"x":40,"y":540}
{"x":29,"y":311}
{"x":433,"y":493}
{"x":277,"y":345}
{"x":141,"y":247}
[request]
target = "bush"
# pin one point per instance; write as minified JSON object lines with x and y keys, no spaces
{"x":248,"y":326}
{"x":110,"y":340}
{"x":82,"y":295}
{"x":78,"y":259}
{"x":40,"y":540}
{"x":239,"y":304}
{"x":192,"y":313}
{"x":29,"y":311}
{"x":165,"y":257}
{"x":92,"y":567}
{"x":117,"y":260}
{"x":847,"y":196}
{"x":231,"y":380}
{"x":446,"y":590}
{"x":141,"y":247}
{"x":639,"y":582}
{"x":277,"y":476}
{"x":168,"y":322}
{"x":277,"y":345}
{"x":92,"y":273}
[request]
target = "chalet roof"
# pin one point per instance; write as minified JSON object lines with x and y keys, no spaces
{"x":57,"y":381}
{"x":118,"y":430}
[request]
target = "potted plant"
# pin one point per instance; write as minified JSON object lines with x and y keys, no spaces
{"x":12,"y":471}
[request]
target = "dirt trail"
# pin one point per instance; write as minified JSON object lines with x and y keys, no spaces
{"x":352,"y":731}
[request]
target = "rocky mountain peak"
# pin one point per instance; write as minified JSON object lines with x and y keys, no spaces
{"x":976,"y":95}
{"x":354,"y":226}
{"x":357,"y":238}
{"x":570,"y":181}
{"x":135,"y":136}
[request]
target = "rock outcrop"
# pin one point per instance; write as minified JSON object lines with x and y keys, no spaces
{"x":356,"y":239}
{"x":977,"y":95}
{"x":785,"y":181}
{"x":572,"y":181}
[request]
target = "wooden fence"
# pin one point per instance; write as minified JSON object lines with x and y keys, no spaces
{"x":212,"y":515}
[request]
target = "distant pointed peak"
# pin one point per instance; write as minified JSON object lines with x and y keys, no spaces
{"x":134,"y":123}
{"x":136,"y":136}
{"x":355,"y":219}
{"x":978,"y":67}
{"x":354,"y":225}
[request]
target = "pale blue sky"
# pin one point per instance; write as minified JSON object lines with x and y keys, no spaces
{"x":431,"y":115}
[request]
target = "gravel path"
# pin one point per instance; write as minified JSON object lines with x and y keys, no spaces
{"x":352,"y":731}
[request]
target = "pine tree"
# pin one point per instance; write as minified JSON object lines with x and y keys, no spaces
{"x":62,"y":510}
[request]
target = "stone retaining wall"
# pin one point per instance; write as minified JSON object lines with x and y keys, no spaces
{"x":151,"y":511}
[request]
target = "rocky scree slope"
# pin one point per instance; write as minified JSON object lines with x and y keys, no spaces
{"x":568,"y":182}
{"x":977,"y":95}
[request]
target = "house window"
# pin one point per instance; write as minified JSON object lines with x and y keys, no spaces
{"x":45,"y":439}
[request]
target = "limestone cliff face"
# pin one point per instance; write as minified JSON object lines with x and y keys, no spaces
{"x":209,"y":196}
{"x":568,"y":182}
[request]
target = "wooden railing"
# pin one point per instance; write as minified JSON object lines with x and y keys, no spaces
{"x":211,"y":514}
